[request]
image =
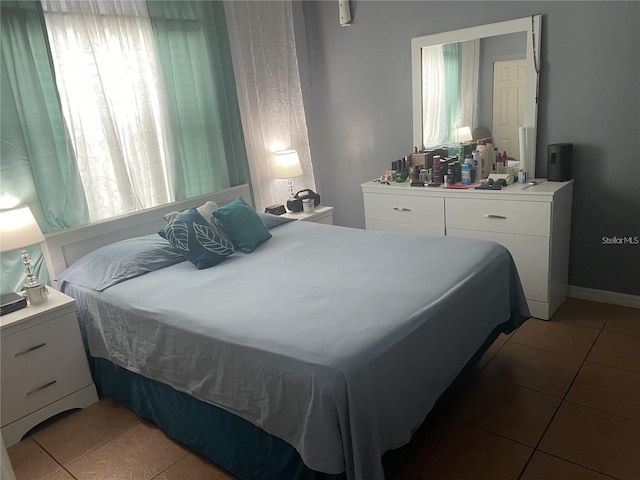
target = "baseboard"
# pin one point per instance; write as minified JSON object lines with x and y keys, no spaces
{"x":603,"y":296}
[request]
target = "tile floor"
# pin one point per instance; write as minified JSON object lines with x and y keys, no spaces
{"x":554,"y":400}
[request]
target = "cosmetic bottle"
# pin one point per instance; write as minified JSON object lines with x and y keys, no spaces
{"x":468,"y":160}
{"x":437,"y":170}
{"x":466,"y":174}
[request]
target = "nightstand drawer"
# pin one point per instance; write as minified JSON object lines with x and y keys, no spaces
{"x":27,"y":393}
{"x":523,"y":218}
{"x":406,"y":209}
{"x":39,"y":345}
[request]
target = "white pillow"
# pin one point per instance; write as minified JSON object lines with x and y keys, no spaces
{"x":205,"y":210}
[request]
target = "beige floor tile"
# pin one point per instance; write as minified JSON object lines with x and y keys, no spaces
{"x":460,"y":451}
{"x":583,"y":312}
{"x":568,"y":338}
{"x":194,"y":467}
{"x":30,"y":461}
{"x":600,"y":441}
{"x":533,"y":368}
{"x":609,"y":389}
{"x":617,"y":350}
{"x":75,"y":435}
{"x":140,"y":453}
{"x":543,"y":466}
{"x":624,"y":320}
{"x":61,"y":475}
{"x":515,"y":412}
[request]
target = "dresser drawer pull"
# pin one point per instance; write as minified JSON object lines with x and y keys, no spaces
{"x":30,"y":349}
{"x":491,"y":215}
{"x":39,"y":389}
{"x":402,"y":209}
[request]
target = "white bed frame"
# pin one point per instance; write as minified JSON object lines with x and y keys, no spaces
{"x":66,"y":246}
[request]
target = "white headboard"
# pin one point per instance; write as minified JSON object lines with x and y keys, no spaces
{"x":66,"y":246}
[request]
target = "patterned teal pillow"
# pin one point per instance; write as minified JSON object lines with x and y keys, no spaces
{"x":243,"y":225}
{"x":197,"y":240}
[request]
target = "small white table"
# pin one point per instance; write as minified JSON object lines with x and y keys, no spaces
{"x":44,"y":368}
{"x":321,"y":214}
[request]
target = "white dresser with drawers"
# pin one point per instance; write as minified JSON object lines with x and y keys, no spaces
{"x":533,"y":223}
{"x":44,"y":368}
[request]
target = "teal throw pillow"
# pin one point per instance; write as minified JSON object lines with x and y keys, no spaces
{"x":197,"y":240}
{"x":242,"y":224}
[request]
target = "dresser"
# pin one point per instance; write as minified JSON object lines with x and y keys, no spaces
{"x":533,"y":223}
{"x":44,"y":368}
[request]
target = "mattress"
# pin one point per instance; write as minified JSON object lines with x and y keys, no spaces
{"x":336,"y":340}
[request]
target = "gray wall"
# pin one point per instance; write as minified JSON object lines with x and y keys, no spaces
{"x":357,"y":92}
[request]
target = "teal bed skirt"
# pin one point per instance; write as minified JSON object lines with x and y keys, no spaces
{"x":229,"y":441}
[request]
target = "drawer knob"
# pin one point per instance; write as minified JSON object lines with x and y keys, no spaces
{"x":491,"y":215}
{"x":30,"y":349}
{"x":402,"y":209}
{"x":40,"y":388}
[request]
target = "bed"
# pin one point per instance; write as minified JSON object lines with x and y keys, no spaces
{"x":308,"y":357}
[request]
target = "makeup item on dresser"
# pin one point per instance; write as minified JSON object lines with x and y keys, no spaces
{"x":466,"y":174}
{"x":522,"y":176}
{"x":419,"y":160}
{"x":468,"y":160}
{"x":437,"y":170}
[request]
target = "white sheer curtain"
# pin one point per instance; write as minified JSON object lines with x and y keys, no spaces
{"x":434,"y":118}
{"x":469,"y":83}
{"x":113,"y":100}
{"x":434,"y":81}
{"x":265,"y":63}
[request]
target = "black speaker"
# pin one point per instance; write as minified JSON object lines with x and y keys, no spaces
{"x":559,"y":157}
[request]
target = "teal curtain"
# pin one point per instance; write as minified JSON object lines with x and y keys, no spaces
{"x":194,"y":52}
{"x":452,"y":70}
{"x":38,"y":168}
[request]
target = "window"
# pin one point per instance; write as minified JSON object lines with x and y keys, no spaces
{"x":114,"y":104}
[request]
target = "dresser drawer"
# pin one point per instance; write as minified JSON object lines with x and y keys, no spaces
{"x":530,"y":254}
{"x":381,"y":226}
{"x":524,"y":218}
{"x":36,"y":346}
{"x":427,"y":212}
{"x":27,"y":393}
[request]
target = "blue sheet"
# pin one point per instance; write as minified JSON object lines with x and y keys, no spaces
{"x":336,"y":340}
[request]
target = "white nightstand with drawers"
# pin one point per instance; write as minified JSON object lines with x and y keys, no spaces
{"x":44,"y":367}
{"x":322,"y":214}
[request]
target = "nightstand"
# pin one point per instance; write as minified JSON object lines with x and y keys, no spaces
{"x":321,"y":214}
{"x":44,"y":367}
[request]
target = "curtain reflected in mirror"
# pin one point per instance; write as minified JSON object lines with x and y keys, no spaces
{"x":449,"y":90}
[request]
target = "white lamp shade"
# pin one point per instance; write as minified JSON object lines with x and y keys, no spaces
{"x":464,"y":134}
{"x":287,"y":164}
{"x":18,"y":229}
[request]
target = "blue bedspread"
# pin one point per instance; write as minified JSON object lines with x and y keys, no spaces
{"x":337,"y":340}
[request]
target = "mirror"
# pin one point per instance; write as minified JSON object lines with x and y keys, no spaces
{"x":502,"y":57}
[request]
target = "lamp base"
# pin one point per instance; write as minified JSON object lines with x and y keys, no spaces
{"x":37,"y":294}
{"x":291,"y":191}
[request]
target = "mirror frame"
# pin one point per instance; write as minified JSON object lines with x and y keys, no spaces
{"x":531,"y":25}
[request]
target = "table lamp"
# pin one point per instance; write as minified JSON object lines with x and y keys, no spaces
{"x":464,"y":134}
{"x":288,"y":167}
{"x":19,"y":230}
